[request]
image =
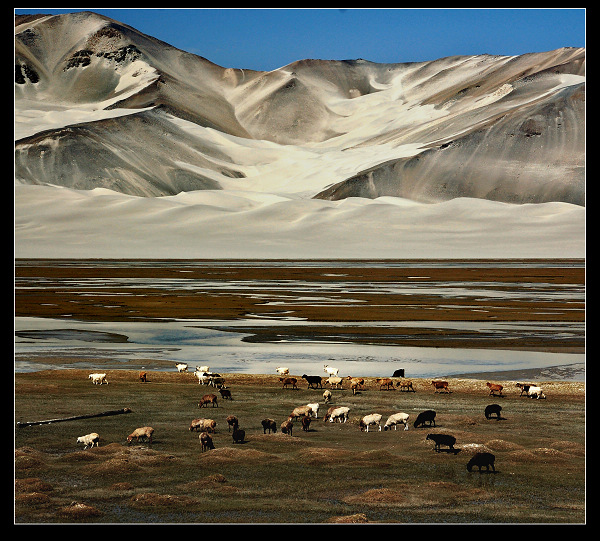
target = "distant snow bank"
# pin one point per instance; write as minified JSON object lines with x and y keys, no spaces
{"x":61,"y":222}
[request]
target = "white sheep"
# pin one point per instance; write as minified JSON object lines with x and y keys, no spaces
{"x":330,"y":370}
{"x":396,"y":419}
{"x":282,"y":370}
{"x":203,"y":377}
{"x":89,"y":440}
{"x":98,"y":379}
{"x":315,"y":409}
{"x":142,"y":432}
{"x":335,"y":381}
{"x":181,"y":367}
{"x":535,"y":392}
{"x":203,"y":369}
{"x":337,"y":414}
{"x":372,"y":419}
{"x":327,"y":396}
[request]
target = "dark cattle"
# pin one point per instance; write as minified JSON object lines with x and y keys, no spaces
{"x":427,"y":416}
{"x":314,"y":382}
{"x":480,"y":460}
{"x":493,"y":409}
{"x":398,"y":373}
{"x":442,"y":439}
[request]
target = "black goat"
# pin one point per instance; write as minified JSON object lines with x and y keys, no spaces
{"x":313,"y":381}
{"x":427,"y":416}
{"x":442,"y":439}
{"x":482,"y":459}
{"x":493,"y":409}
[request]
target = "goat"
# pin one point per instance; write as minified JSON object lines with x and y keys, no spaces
{"x":330,"y":370}
{"x":385,"y":382}
{"x":405,"y":385}
{"x":339,"y":413}
{"x":441,"y":386}
{"x":282,"y":370}
{"x":495,"y":388}
{"x":301,"y":411}
{"x":442,"y":439}
{"x":202,"y":368}
{"x":238,"y":435}
{"x":372,"y":419}
{"x":287,"y":426}
{"x":98,"y":379}
{"x":359,"y":382}
{"x":269,"y":424}
{"x":143,"y":432}
{"x":314,"y":409}
{"x":203,"y":425}
{"x":427,"y":416}
{"x":493,"y":409}
{"x":216,"y":381}
{"x":143,"y":377}
{"x":232,"y":421}
{"x":480,"y":460}
{"x":535,"y":392}
{"x":314,"y":382}
{"x":289,"y":381}
{"x":524,"y":388}
{"x":327,"y":396}
{"x":206,"y":442}
{"x":225,"y":394}
{"x":335,"y":382}
{"x":305,"y":422}
{"x":181,"y":367}
{"x":396,"y":419}
{"x":89,"y":440}
{"x":208,"y":399}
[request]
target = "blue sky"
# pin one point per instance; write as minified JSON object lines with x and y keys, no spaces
{"x":267,"y":39}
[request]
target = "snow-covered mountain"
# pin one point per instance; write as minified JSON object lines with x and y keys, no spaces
{"x":128,"y":147}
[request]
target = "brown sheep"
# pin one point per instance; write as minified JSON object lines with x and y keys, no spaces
{"x":208,"y":399}
{"x":206,"y":442}
{"x":232,"y":421}
{"x":405,"y":385}
{"x":289,"y":381}
{"x":305,"y":422}
{"x":143,"y":432}
{"x":270,"y":425}
{"x":441,"y":386}
{"x":203,"y":425}
{"x":225,"y":394}
{"x":287,"y":426}
{"x":301,"y":411}
{"x":238,"y":435}
{"x":385,"y":382}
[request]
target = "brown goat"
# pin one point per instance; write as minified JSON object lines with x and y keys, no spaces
{"x":385,"y":382}
{"x":441,"y":386}
{"x":305,"y":422}
{"x":143,"y":377}
{"x":289,"y":381}
{"x":495,"y":388}
{"x":405,"y":385}
{"x":208,"y":399}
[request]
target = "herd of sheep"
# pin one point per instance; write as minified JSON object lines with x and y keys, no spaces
{"x":304,"y":414}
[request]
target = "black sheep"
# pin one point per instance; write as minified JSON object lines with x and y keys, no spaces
{"x":442,"y":439}
{"x":482,"y":459}
{"x":493,"y":409}
{"x":427,"y":416}
{"x":313,"y":380}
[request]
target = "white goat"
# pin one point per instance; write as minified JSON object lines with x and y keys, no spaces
{"x":89,"y":440}
{"x":330,"y":370}
{"x":337,"y":414}
{"x":203,"y":369}
{"x":98,"y":379}
{"x":535,"y":392}
{"x":181,"y":367}
{"x":372,"y":419}
{"x":203,"y":377}
{"x":395,"y":420}
{"x":315,"y":409}
{"x":282,"y":370}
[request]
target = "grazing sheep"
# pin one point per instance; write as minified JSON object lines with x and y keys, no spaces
{"x":442,"y":439}
{"x":480,"y":460}
{"x":493,"y":409}
{"x":405,"y":386}
{"x":335,"y":382}
{"x":535,"y":392}
{"x":395,"y":420}
{"x":206,"y":442}
{"x":495,"y":388}
{"x":98,"y":379}
{"x":441,"y":386}
{"x":282,"y":370}
{"x":287,"y":426}
{"x":203,"y":425}
{"x":143,"y":377}
{"x":89,"y":440}
{"x":181,"y":367}
{"x":269,"y":424}
{"x":359,"y":382}
{"x":327,"y":396}
{"x":208,"y":399}
{"x":315,"y":409}
{"x":427,"y":416}
{"x":238,"y":435}
{"x":305,"y":422}
{"x":339,"y":413}
{"x":372,"y":419}
{"x":330,"y":370}
{"x":289,"y":381}
{"x":385,"y":382}
{"x":225,"y":394}
{"x":301,"y":411}
{"x":232,"y":421}
{"x":314,"y":382}
{"x":143,"y":432}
